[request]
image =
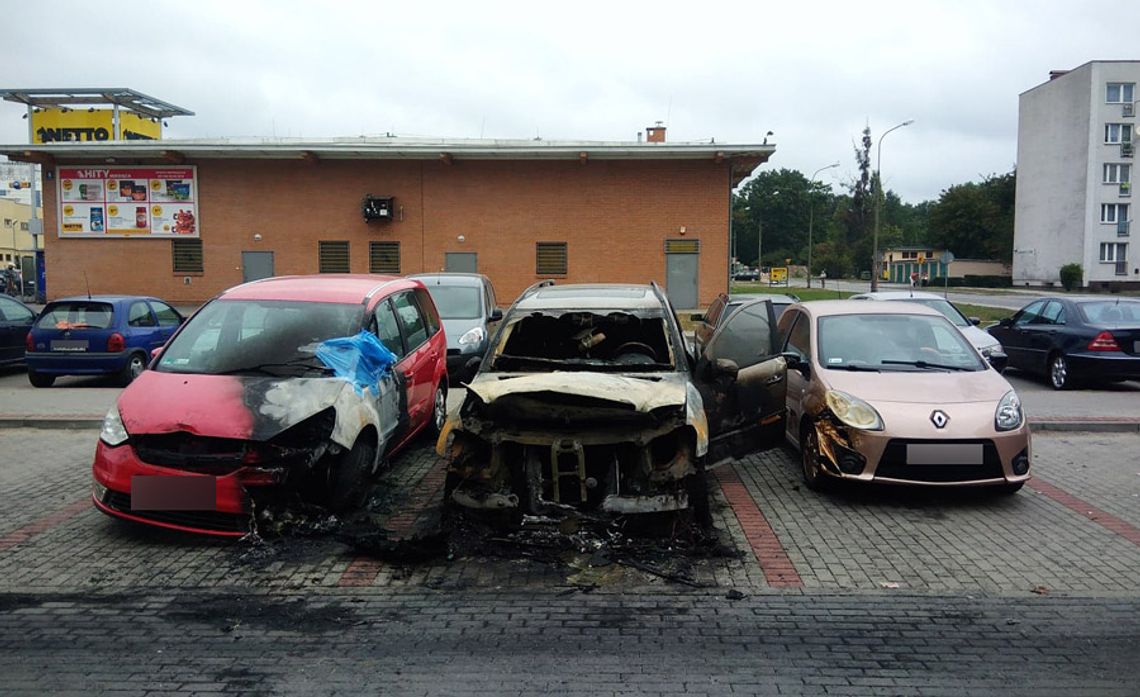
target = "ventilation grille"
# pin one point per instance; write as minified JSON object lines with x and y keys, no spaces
{"x":384,"y":257}
{"x":333,"y":257}
{"x":186,"y":255}
{"x":682,"y":246}
{"x":550,"y":259}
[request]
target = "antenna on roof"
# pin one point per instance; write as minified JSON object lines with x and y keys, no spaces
{"x":87,"y":283}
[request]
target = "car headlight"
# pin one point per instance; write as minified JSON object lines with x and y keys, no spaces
{"x":472,"y":336}
{"x":986,"y":351}
{"x":1009,"y":415}
{"x":853,"y":411}
{"x":113,"y":432}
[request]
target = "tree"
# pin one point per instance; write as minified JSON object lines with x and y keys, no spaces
{"x":975,"y":220}
{"x":780,"y":202}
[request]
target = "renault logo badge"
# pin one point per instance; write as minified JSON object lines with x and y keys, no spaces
{"x":939,"y":418}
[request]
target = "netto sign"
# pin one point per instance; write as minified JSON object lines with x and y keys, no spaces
{"x":58,"y":126}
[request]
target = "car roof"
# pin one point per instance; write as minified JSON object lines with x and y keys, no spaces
{"x":778,"y":298}
{"x":321,"y":288}
{"x":102,"y":298}
{"x":897,"y":295}
{"x":587,"y":296}
{"x":451,"y":278}
{"x":821,"y":308}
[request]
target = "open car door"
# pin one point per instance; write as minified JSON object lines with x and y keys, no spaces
{"x":742,"y":381}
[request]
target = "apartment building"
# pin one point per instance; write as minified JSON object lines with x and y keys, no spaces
{"x":1075,"y":167}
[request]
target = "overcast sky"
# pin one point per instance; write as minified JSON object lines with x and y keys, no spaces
{"x":813,"y":73}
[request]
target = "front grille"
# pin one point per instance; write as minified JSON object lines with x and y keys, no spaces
{"x":200,"y":520}
{"x":893,"y":464}
{"x":216,"y":456}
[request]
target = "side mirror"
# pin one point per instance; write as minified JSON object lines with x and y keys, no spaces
{"x":496,"y":315}
{"x":975,"y":320}
{"x":1006,"y":322}
{"x":794,"y":362}
{"x":998,"y":361}
{"x":697,"y":317}
{"x":725,"y":367}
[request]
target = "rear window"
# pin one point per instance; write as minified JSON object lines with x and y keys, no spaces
{"x":457,"y":302}
{"x":1109,"y":311}
{"x":83,"y":314}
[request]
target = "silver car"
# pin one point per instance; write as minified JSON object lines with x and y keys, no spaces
{"x":984,"y":342}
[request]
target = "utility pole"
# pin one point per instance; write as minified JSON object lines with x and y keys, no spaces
{"x":876,"y":268}
{"x":811,"y":215}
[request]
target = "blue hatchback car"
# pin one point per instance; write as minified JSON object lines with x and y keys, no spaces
{"x":98,"y":335}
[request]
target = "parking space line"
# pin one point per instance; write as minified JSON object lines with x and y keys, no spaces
{"x":362,"y":571}
{"x":36,"y":527}
{"x":1102,"y":518}
{"x":779,"y":571}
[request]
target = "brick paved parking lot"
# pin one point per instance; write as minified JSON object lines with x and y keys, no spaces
{"x":882,"y":591}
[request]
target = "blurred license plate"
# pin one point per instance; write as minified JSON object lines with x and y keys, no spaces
{"x":69,"y":345}
{"x":944,"y":454}
{"x":1136,"y":347}
{"x":158,"y":493}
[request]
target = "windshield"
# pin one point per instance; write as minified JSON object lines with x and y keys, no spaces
{"x":944,"y":306}
{"x":617,"y":341}
{"x":229,"y":337}
{"x":457,"y":302}
{"x":1110,"y":311}
{"x":83,"y":314}
{"x":893,"y":342}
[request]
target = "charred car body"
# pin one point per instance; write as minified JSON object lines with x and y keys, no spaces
{"x":286,"y":385}
{"x":587,"y":400}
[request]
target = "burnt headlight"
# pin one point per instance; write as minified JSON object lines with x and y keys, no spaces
{"x":113,"y":432}
{"x":1009,"y":415}
{"x":853,"y":411}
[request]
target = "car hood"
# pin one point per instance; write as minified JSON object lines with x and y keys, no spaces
{"x":455,"y":328}
{"x":642,"y":394}
{"x":978,"y":337}
{"x":224,"y":406}
{"x":925,"y":387}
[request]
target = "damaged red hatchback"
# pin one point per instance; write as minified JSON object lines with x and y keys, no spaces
{"x":242,"y":405}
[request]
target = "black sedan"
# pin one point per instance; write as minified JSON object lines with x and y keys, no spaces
{"x":16,"y":321}
{"x":1074,"y":340}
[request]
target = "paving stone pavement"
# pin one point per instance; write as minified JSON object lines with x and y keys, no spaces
{"x":512,"y":643}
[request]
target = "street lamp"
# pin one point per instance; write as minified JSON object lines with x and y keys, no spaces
{"x":876,"y":270}
{"x":811,"y":216}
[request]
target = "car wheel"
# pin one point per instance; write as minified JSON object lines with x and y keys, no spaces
{"x":438,"y":411}
{"x":39,"y":379}
{"x":1060,"y":377}
{"x":136,"y":364}
{"x":350,"y":475}
{"x":813,"y":475}
{"x":697,"y":489}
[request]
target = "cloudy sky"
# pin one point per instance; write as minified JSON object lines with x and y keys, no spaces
{"x":813,"y":73}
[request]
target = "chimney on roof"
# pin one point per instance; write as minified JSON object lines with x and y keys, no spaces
{"x":655,"y":133}
{"x":1054,"y":74}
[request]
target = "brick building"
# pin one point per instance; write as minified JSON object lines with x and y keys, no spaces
{"x":518,"y":211}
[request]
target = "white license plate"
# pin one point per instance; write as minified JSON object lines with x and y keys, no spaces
{"x":69,"y":345}
{"x":944,"y":454}
{"x":1136,"y":347}
{"x":186,"y":493}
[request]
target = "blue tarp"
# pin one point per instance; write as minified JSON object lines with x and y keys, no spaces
{"x":360,"y":359}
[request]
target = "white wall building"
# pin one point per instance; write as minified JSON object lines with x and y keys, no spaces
{"x":1075,"y":164}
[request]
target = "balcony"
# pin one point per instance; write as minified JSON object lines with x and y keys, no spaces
{"x":1126,"y":150}
{"x":1122,"y":268}
{"x":1128,"y":109}
{"x":1125,"y":188}
{"x":1122,"y":228}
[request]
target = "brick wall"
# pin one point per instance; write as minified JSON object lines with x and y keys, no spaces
{"x":613,"y":215}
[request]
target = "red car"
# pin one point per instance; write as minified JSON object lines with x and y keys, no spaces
{"x":242,"y":405}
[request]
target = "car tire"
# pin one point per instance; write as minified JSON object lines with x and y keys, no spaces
{"x":39,"y":379}
{"x":697,"y":489}
{"x":349,"y":475}
{"x":1060,"y":375}
{"x":438,"y":411}
{"x":136,"y":364}
{"x":810,"y":469}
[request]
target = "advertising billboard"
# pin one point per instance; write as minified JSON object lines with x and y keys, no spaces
{"x":99,"y":202}
{"x":54,"y":125}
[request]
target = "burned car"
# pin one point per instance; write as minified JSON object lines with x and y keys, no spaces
{"x":289,"y":386}
{"x":587,"y":400}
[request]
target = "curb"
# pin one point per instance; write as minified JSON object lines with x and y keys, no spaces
{"x":1086,"y":425}
{"x":51,"y":422}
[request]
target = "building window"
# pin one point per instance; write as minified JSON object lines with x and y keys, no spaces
{"x":1117,"y":174}
{"x":1119,"y":92}
{"x":332,"y":257}
{"x":1111,"y":252}
{"x":186,"y":255}
{"x":23,"y":227}
{"x":550,"y":258}
{"x":384,"y":257}
{"x":1113,"y":212}
{"x":1117,"y":133}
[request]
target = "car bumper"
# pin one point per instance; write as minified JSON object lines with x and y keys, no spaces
{"x":115,"y":467}
{"x":1109,"y":365}
{"x":885,"y":458}
{"x":84,"y":363}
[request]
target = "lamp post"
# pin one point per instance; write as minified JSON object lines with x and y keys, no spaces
{"x":876,"y":270}
{"x":811,"y":216}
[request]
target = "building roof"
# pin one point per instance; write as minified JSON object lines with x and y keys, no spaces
{"x":743,"y":158}
{"x":86,"y":96}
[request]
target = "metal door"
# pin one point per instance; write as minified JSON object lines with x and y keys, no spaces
{"x":256,"y":265}
{"x":461,"y":262}
{"x":681,"y":280}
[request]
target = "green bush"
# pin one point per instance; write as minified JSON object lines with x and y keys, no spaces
{"x":1071,"y":276}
